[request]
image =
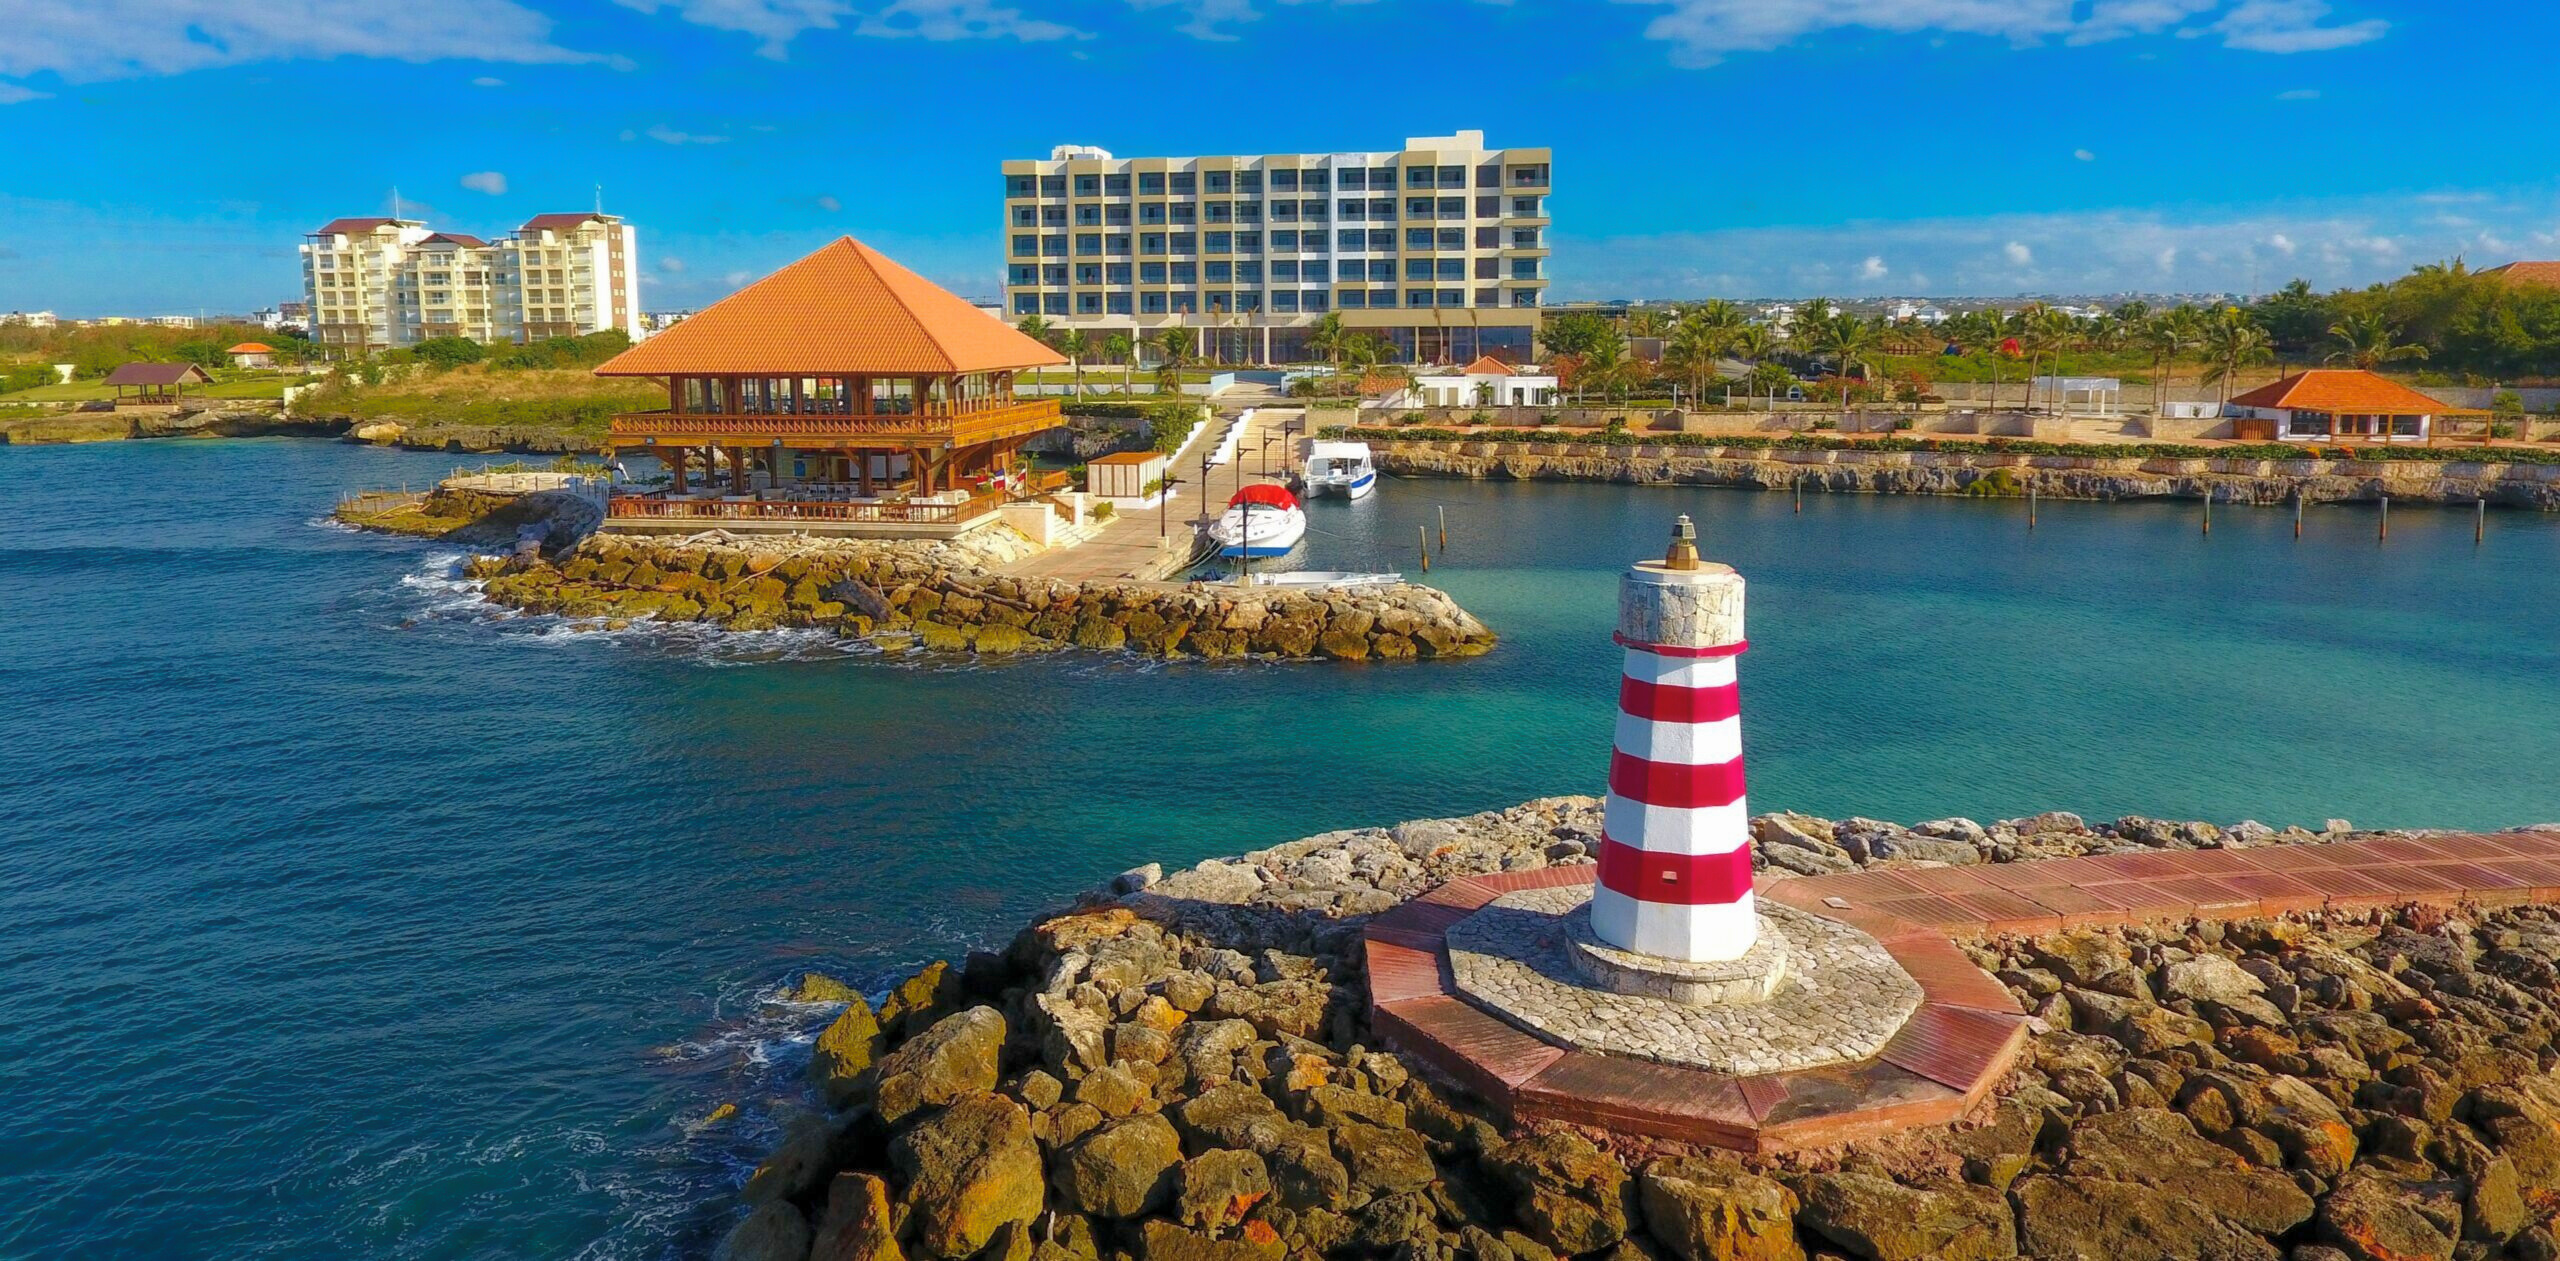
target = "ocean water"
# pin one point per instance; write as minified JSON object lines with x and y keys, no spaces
{"x":348,"y":919}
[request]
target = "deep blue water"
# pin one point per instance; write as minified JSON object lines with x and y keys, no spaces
{"x":344,"y":920}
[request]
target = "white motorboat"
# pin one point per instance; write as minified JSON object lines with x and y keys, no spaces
{"x":1263,"y":520}
{"x":1340,"y":468}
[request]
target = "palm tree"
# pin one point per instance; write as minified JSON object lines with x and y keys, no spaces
{"x":2232,"y":341}
{"x":1327,"y":339}
{"x":1119,"y":346}
{"x":1033,"y":327}
{"x":1175,"y":348}
{"x":1694,"y":354}
{"x":2366,"y":341}
{"x":1648,"y":322}
{"x":1847,"y":340}
{"x":2166,"y":336}
{"x":1990,"y":328}
{"x":1077,"y":345}
{"x":2042,"y":332}
{"x":1753,"y":345}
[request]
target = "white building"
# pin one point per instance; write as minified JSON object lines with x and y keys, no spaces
{"x":381,"y":283}
{"x":1488,"y":382}
{"x":31,"y":319}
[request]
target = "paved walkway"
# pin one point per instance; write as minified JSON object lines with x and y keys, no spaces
{"x":1132,"y":546}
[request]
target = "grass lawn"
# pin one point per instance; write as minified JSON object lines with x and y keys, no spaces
{"x":95,"y":391}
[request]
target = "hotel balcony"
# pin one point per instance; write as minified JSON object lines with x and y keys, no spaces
{"x":929,"y":427}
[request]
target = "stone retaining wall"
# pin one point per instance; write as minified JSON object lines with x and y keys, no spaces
{"x":1984,"y":473}
{"x":943,"y":596}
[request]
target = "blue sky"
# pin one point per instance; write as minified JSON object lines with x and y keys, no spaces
{"x":167,"y":155}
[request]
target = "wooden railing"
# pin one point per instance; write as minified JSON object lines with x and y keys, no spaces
{"x":653,"y":508}
{"x":1022,"y":416}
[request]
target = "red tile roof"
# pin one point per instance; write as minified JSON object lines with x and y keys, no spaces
{"x":846,"y":309}
{"x":2346,"y":391}
{"x":352,"y":227}
{"x":1486,"y":365}
{"x":251,"y":348}
{"x":463,"y":239}
{"x":557,"y":223}
{"x":2528,"y":273}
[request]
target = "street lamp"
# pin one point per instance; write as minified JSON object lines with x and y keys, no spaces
{"x":1164,"y":498}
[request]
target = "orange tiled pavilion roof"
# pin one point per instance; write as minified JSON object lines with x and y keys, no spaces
{"x":251,"y":348}
{"x":2349,"y":391}
{"x":1486,"y":366}
{"x":845,"y":309}
{"x":2527,"y":273}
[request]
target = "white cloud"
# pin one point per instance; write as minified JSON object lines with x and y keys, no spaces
{"x":2166,"y":259}
{"x":2299,"y":94}
{"x":11,"y":94}
{"x":2282,"y":244}
{"x":2084,"y":155}
{"x":665,"y":134}
{"x":2018,"y":253}
{"x":2292,"y":26}
{"x":671,"y":265}
{"x":1209,"y":19}
{"x":1705,"y":32}
{"x":737,"y":279}
{"x":84,"y":41}
{"x":493,"y":183}
{"x":1873,"y":268}
{"x":778,"y":22}
{"x":830,"y":205}
{"x":488,"y":81}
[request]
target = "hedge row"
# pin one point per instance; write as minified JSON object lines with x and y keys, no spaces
{"x":2002,"y":446}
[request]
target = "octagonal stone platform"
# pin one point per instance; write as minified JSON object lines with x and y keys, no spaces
{"x":1958,"y":1040}
{"x":1843,"y":999}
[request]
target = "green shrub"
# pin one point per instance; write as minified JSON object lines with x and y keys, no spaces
{"x":1999,"y":446}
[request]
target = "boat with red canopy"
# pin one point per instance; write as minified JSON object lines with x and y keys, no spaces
{"x":1262,"y":520}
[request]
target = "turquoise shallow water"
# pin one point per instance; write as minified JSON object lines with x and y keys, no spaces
{"x":347,"y":921}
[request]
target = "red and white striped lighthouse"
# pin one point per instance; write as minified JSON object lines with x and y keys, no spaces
{"x":1675,"y":849}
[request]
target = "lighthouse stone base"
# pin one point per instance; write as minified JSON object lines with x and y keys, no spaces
{"x":1837,"y":997}
{"x":1752,"y":978}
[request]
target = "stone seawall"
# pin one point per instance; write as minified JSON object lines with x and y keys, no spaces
{"x":1183,"y":1067}
{"x":945,"y":597}
{"x":1986,"y":473}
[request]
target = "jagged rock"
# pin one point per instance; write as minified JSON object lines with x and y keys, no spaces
{"x":1878,"y":1219}
{"x":1704,"y":1211}
{"x":818,"y":987}
{"x":858,"y":1224}
{"x":1219,"y":1187}
{"x":798,"y":1164}
{"x":1568,"y":1194}
{"x":1160,"y":1240}
{"x":969,"y":1169}
{"x":773,"y":1232}
{"x":1120,"y":1171}
{"x":2100,"y":1220}
{"x":2160,"y":1149}
{"x":1383,"y":1161}
{"x":2210,"y":978}
{"x":845,"y":1052}
{"x":953,"y":1058}
{"x":1114,"y":1092}
{"x":2371,"y":1219}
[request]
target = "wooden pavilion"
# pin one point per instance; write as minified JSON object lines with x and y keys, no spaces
{"x":842,"y":394}
{"x":155,"y":384}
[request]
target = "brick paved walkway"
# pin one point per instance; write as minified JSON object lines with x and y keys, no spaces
{"x":1968,"y":1029}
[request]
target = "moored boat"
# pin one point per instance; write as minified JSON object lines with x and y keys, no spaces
{"x":1340,"y":468}
{"x":1262,"y":520}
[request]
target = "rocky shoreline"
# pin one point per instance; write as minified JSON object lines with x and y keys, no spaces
{"x":1988,"y":473}
{"x":1180,"y":1067}
{"x":946,"y":597}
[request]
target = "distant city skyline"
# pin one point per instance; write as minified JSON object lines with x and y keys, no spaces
{"x":1916,"y":148}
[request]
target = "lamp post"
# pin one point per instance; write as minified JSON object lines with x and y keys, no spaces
{"x":1164,"y":498}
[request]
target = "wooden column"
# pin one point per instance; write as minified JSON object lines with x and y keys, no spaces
{"x":675,"y":461}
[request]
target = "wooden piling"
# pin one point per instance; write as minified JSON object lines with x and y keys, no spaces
{"x":2480,"y":521}
{"x":2297,"y":512}
{"x":2384,"y":530}
{"x":2208,"y":510}
{"x":2031,"y":505}
{"x":1799,"y":496}
{"x":1422,"y":539}
{"x":1444,"y":527}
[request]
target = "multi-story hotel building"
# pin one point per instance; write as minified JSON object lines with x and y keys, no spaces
{"x":1440,"y":247}
{"x":379,"y":284}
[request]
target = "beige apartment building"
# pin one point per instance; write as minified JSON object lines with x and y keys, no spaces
{"x":381,"y":283}
{"x":1440,"y":247}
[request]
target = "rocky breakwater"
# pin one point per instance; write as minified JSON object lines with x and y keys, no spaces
{"x":1180,"y":1068}
{"x":944,"y":596}
{"x":1988,"y":472}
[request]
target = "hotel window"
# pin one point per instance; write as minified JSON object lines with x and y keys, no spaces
{"x":1221,"y":212}
{"x":1525,"y":208}
{"x":1053,"y":304}
{"x":1488,"y":238}
{"x":1248,"y":243}
{"x":1026,"y":245}
{"x":1088,"y":243}
{"x":1354,"y":298}
{"x":1248,"y":212}
{"x":1524,"y":238}
{"x":1488,"y":297}
{"x":1524,"y":297}
{"x":1186,"y":303}
{"x":1353,"y":210}
{"x":1489,"y":176}
{"x":1488,"y":207}
{"x":1088,"y":186}
{"x":1285,"y":301}
{"x":1524,"y":269}
{"x":1053,"y":274}
{"x":1221,"y":243}
{"x":1151,"y":303}
{"x":1382,"y":298}
{"x":1116,"y":216}
{"x":1284,"y":212}
{"x":1151,"y":183}
{"x":1116,"y":243}
{"x":1219,"y":182}
{"x":1152,"y":212}
{"x":1417,"y":177}
{"x":1185,"y":184}
{"x":1354,"y":239}
{"x":1284,"y":269}
{"x":1453,"y":297}
{"x":1055,"y":246}
{"x":1218,"y":273}
{"x":1453,"y":238}
{"x":1053,"y":186}
{"x":1417,"y":238}
{"x":1382,"y":269}
{"x":1186,"y":242}
{"x":1315,"y":270}
{"x":1284,"y":241}
{"x":1185,"y":212}
{"x":1315,"y":301}
{"x":1453,"y":177}
{"x":1248,"y":302}
{"x":1023,"y":274}
{"x":1452,"y":207}
{"x":1284,"y":181}
{"x":1353,"y":179}
{"x":1529,"y":176}
{"x":1248,"y":181}
{"x":1088,"y":304}
{"x":1313,"y":210}
{"x":1088,"y":273}
{"x":1020,"y":186}
{"x":1115,"y":185}
{"x":1026,"y":304}
{"x":1382,"y":238}
{"x":1186,"y":273}
{"x":1417,"y":269}
{"x":1116,"y":274}
{"x":1116,"y":303}
{"x":1248,"y":273}
{"x":1151,"y":243}
{"x":1313,"y":181}
{"x":1488,"y":269}
{"x":1150,"y":273}
{"x":1452,"y":269}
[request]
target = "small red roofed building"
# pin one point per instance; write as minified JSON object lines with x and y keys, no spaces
{"x":843,"y":394}
{"x":1487,"y":382}
{"x":252,"y":355}
{"x":2336,"y":405}
{"x":2527,"y":273}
